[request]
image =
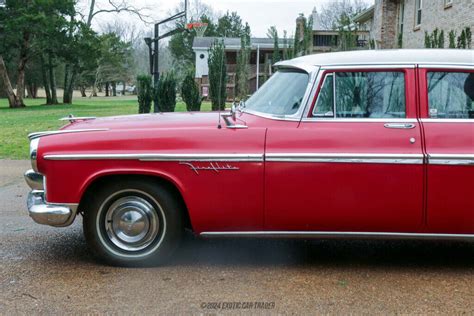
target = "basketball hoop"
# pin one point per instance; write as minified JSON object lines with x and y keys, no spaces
{"x":199,"y":27}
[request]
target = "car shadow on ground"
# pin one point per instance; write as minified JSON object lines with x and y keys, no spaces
{"x":331,"y":253}
{"x":197,"y":252}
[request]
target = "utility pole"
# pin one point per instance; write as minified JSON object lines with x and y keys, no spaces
{"x":154,"y":49}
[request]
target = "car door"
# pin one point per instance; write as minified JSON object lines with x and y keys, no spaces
{"x":447,"y":110}
{"x":355,"y":162}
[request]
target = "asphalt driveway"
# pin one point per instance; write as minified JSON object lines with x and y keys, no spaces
{"x":50,"y":270}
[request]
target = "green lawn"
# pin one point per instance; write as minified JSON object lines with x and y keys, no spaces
{"x":16,"y":124}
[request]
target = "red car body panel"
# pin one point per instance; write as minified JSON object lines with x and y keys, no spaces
{"x":450,"y":188}
{"x":213,"y":198}
{"x":284,"y":196}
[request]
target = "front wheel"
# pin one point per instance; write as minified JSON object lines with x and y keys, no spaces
{"x":133,"y":223}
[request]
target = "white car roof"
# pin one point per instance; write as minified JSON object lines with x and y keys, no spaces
{"x":458,"y":57}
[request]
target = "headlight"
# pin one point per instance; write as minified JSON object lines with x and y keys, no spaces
{"x":34,"y":153}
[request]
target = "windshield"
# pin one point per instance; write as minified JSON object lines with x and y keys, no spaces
{"x":282,"y":94}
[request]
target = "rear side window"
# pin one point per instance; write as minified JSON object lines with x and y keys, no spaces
{"x":362,"y":95}
{"x":450,"y":95}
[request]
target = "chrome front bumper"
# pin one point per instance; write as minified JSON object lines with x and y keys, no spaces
{"x":59,"y":215}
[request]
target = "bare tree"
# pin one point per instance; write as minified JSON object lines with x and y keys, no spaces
{"x":114,"y":6}
{"x":95,"y":8}
{"x":331,"y":13}
{"x":196,"y":9}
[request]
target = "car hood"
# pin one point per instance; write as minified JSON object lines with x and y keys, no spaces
{"x":149,"y":121}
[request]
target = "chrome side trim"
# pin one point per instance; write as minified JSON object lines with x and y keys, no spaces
{"x":335,"y":235}
{"x":359,"y":120}
{"x":451,"y":159}
{"x":271,"y":157}
{"x":434,"y":120}
{"x":66,"y":131}
{"x":346,"y":158}
{"x":161,"y":157}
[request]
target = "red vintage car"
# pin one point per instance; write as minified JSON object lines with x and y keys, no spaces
{"x":367,"y":144}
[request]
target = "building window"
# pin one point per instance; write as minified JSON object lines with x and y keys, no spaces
{"x":401,"y":21}
{"x":401,"y":17}
{"x":418,"y":9}
{"x":325,"y":40}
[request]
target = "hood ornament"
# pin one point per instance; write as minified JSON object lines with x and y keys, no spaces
{"x":71,"y":118}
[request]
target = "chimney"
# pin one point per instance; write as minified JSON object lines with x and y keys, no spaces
{"x":300,"y":25}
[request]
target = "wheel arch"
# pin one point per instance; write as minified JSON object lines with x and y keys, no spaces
{"x":104,"y":178}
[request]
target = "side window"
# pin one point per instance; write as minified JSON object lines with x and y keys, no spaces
{"x":325,"y":103}
{"x":362,"y":95}
{"x":451,"y":95}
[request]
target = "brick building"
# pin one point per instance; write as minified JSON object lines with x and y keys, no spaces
{"x":403,"y":23}
{"x":327,"y":40}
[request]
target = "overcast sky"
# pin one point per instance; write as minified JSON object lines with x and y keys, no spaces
{"x":260,"y":14}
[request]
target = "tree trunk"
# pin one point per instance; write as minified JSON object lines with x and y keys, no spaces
{"x":83,"y":91}
{"x":44,"y":73}
{"x":107,"y":89}
{"x":7,"y":85}
{"x":67,"y":69}
{"x":52,"y":81}
{"x":32,"y":90}
{"x":114,"y":89}
{"x":124,"y":88}
{"x":69,"y":87}
{"x":20,"y":83}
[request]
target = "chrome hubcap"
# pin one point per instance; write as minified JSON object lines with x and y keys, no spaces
{"x":131,"y":223}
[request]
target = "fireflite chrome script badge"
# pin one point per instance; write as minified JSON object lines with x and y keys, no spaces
{"x":211,"y":166}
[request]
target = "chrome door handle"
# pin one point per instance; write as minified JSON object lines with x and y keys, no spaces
{"x":400,"y":125}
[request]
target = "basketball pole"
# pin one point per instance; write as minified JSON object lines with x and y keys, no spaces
{"x":154,"y":49}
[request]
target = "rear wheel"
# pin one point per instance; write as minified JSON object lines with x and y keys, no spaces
{"x":133,"y":223}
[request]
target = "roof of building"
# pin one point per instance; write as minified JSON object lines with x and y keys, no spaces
{"x":232,"y":43}
{"x":365,"y":15}
{"x":386,"y":57}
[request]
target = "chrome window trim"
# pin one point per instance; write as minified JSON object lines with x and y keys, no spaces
{"x":360,"y":120}
{"x":322,"y":76}
{"x":375,"y":65}
{"x":446,"y":120}
{"x":451,"y":159}
{"x":160,"y":157}
{"x":447,"y":66}
{"x":333,"y":95}
{"x":313,"y":75}
{"x":66,"y":131}
{"x":272,"y":116}
{"x":332,"y":234}
{"x":346,"y":158}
